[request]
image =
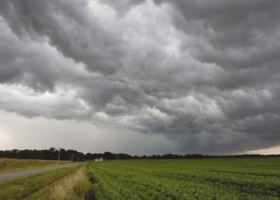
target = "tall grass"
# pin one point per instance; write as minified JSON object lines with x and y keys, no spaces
{"x":72,"y":187}
{"x":22,"y":188}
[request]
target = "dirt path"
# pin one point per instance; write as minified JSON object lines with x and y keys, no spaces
{"x":18,"y":174}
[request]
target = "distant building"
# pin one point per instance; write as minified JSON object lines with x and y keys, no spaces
{"x":98,"y":159}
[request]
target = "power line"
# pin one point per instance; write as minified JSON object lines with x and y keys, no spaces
{"x":24,"y":134}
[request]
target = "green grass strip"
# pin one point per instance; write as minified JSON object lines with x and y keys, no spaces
{"x":20,"y":188}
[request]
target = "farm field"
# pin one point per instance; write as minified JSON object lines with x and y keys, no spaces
{"x":233,"y":178}
{"x":20,"y":164}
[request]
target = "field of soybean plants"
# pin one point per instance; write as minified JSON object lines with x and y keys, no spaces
{"x":223,"y":178}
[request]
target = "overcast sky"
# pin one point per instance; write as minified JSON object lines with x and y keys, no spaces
{"x":140,"y":76}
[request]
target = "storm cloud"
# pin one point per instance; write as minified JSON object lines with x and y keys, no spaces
{"x":202,"y":73}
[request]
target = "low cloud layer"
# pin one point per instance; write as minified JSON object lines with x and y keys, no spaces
{"x":202,"y":73}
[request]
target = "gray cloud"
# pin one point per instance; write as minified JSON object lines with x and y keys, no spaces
{"x":122,"y":7}
{"x":70,"y":27}
{"x":241,"y":34}
{"x":203,"y":73}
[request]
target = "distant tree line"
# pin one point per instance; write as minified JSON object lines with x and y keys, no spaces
{"x":113,"y":156}
{"x":75,"y":156}
{"x":46,"y":154}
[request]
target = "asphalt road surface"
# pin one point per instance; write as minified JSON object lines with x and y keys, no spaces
{"x":18,"y":174}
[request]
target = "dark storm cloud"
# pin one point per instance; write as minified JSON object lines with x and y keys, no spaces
{"x":17,"y":59}
{"x":122,"y":7}
{"x":203,"y":73}
{"x":241,"y":33}
{"x":70,"y":27}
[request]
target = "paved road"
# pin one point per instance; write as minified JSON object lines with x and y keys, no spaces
{"x":18,"y":174}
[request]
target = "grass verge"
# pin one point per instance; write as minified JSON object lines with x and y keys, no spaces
{"x":75,"y":186}
{"x":21,"y":188}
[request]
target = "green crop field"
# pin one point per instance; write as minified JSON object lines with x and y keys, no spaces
{"x":234,"y":178}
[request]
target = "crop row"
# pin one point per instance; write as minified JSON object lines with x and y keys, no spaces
{"x":188,"y":179}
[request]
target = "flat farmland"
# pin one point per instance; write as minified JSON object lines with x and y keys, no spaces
{"x":21,"y":164}
{"x":226,"y":178}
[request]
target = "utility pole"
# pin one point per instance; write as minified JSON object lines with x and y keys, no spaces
{"x":58,"y":155}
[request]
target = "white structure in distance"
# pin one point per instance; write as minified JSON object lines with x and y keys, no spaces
{"x":98,"y":159}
